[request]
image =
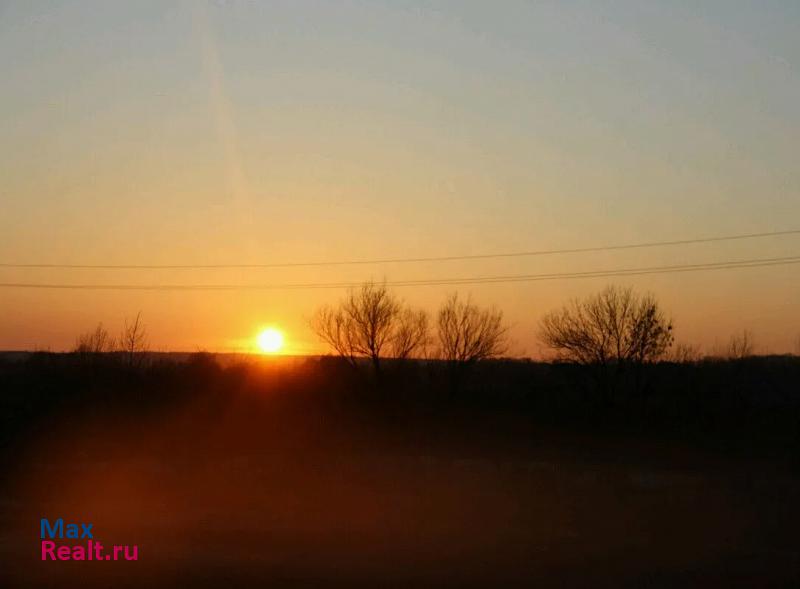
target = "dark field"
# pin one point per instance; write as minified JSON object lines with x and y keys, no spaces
{"x":303,"y":474}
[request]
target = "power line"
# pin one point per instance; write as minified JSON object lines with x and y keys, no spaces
{"x":517,"y":254}
{"x":620,"y":272}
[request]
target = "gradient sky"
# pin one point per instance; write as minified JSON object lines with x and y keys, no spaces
{"x":235,"y":132}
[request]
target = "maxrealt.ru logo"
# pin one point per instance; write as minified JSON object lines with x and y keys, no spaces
{"x":91,"y":549}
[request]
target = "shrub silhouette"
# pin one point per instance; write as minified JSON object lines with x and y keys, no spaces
{"x":94,"y":342}
{"x":740,"y":346}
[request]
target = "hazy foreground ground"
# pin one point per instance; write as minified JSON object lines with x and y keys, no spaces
{"x":274,"y":477}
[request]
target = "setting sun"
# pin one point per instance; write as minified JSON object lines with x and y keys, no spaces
{"x":270,"y":341}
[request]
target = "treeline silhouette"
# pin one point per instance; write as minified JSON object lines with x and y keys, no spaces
{"x":615,"y":368}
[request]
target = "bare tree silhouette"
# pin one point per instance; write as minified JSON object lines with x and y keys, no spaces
{"x":610,"y":332}
{"x":133,"y":341}
{"x":94,"y":342}
{"x":411,"y":333}
{"x":741,"y":345}
{"x":371,"y":323}
{"x":468,"y":334}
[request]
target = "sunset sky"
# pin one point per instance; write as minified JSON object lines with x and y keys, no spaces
{"x":236,"y":132}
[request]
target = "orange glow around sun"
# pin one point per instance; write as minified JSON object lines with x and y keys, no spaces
{"x":270,"y":341}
